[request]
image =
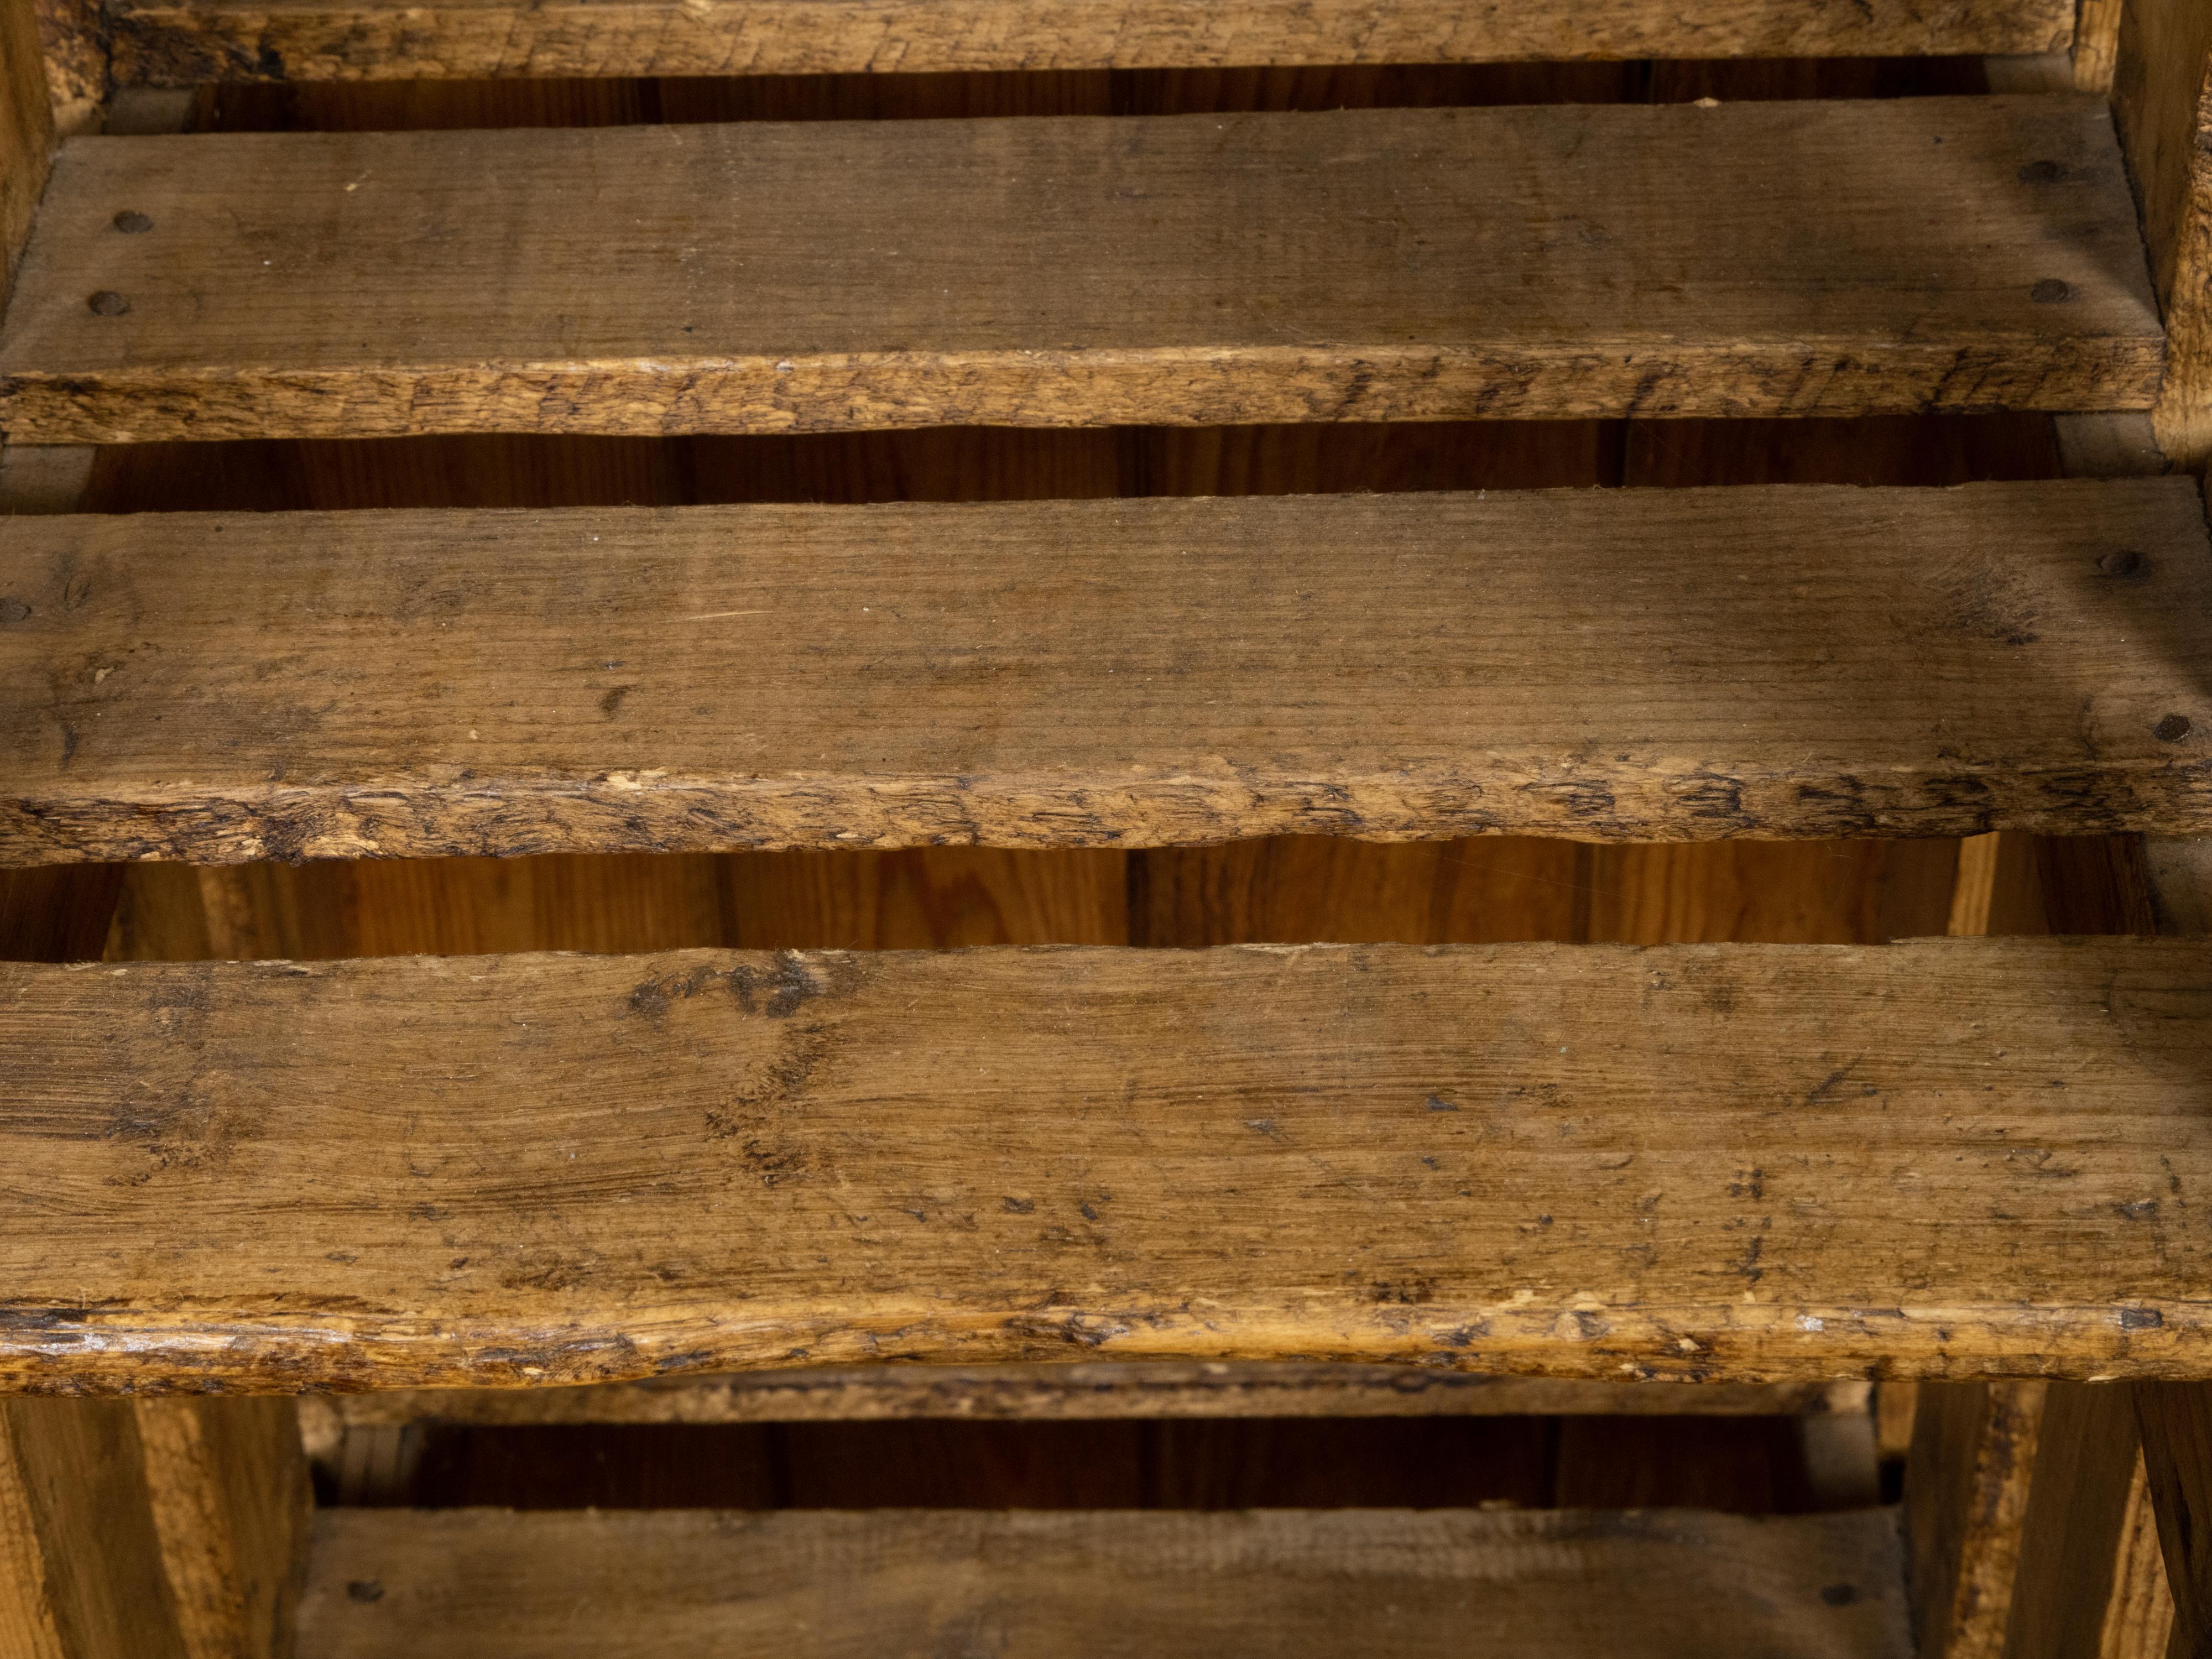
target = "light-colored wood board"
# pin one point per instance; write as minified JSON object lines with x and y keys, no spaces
{"x":184,"y":42}
{"x":1778,"y":258}
{"x":2096,"y":48}
{"x":2139,"y":1615}
{"x":1946,"y":1159}
{"x":1662,"y":664}
{"x":490,"y":1583}
{"x":2162,"y":101}
{"x":27,"y":135}
{"x":1077,"y":1390}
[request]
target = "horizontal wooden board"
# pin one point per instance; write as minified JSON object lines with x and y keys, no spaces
{"x":1947,"y":1158}
{"x":1762,"y":259}
{"x":185,"y":42}
{"x":1080,"y":1390}
{"x":1678,"y":665}
{"x":1289,"y":1583}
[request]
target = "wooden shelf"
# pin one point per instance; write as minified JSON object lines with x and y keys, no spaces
{"x":1758,"y":258}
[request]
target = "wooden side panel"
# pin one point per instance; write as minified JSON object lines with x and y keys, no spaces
{"x":491,"y":1584}
{"x":1778,"y":1163}
{"x":2162,"y":97}
{"x":1960,"y":253}
{"x":1727,"y":663}
{"x":26,"y":135}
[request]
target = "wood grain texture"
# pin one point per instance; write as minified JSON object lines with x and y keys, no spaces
{"x":227,"y":1485}
{"x":1077,"y":1390}
{"x":1782,"y":1163}
{"x":2162,"y":100}
{"x":1556,"y":261}
{"x":159,"y":1529}
{"x":80,"y":1572}
{"x":27,"y":135}
{"x":2078,"y":1587}
{"x":489,"y":1583}
{"x":1919,"y":662}
{"x":2138,"y":1620}
{"x":184,"y":42}
{"x":74,"y":38}
{"x":2177,"y":1437}
{"x":1968,"y":1481}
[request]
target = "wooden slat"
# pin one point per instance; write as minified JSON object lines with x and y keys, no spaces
{"x":183,"y":42}
{"x":1750,"y":1163}
{"x":1562,"y":1584}
{"x":1080,"y":1390}
{"x":1563,"y":260}
{"x":1669,"y":664}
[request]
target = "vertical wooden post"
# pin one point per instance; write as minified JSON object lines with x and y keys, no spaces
{"x":2177,"y":1433}
{"x":2028,"y":1525}
{"x":154,"y":1529}
{"x":27,"y":133}
{"x":2162,"y":101}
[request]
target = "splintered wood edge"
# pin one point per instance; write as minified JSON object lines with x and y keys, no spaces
{"x":185,"y":44}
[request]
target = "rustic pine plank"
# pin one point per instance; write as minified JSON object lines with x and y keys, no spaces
{"x":490,"y":1583}
{"x":1611,"y":665}
{"x":183,"y":42}
{"x":1779,"y":258}
{"x":1773,"y":1163}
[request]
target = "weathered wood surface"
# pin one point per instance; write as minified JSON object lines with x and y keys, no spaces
{"x":2162,"y":97}
{"x":184,"y":42}
{"x":166,"y":1529}
{"x":2025,"y":1521}
{"x":490,"y":1583}
{"x":1952,"y":1159}
{"x":1610,"y":665}
{"x":1968,"y":1481}
{"x":75,"y":41}
{"x":2176,"y":1435}
{"x":1777,"y":259}
{"x":2085,"y":1587}
{"x":27,"y":135}
{"x":1076,"y":1390}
